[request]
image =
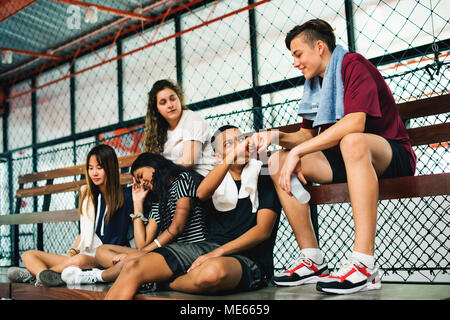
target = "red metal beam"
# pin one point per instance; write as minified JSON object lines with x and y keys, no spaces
{"x":9,"y":8}
{"x":175,"y":35}
{"x":32,"y":53}
{"x":101,"y":42}
{"x":114,"y":11}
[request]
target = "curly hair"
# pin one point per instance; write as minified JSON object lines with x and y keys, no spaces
{"x":155,"y":125}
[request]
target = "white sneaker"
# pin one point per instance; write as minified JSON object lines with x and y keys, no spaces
{"x":74,"y":275}
{"x":302,"y":271}
{"x":353,"y":276}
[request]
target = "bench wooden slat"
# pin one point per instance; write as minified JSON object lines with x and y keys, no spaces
{"x":125,"y":161}
{"x":424,"y":107}
{"x":392,"y":188}
{"x":52,"y":174}
{"x":40,"y":217}
{"x":51,"y":189}
{"x":430,"y":134}
{"x":125,"y":178}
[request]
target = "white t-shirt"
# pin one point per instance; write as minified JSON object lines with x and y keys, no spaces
{"x":192,"y":127}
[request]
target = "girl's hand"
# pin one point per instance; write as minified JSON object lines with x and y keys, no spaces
{"x":119,"y":257}
{"x":138,"y":192}
{"x":72,"y":252}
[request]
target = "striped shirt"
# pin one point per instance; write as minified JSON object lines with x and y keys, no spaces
{"x":195,"y":228}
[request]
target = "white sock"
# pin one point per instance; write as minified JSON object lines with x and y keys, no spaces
{"x":98,"y":275}
{"x":367,"y":260}
{"x":315,"y":254}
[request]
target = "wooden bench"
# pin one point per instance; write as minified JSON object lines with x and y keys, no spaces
{"x":393,"y":188}
{"x":403,"y":187}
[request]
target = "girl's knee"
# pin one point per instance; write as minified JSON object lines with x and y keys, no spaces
{"x":103,"y":255}
{"x":80,"y":260}
{"x":29,"y":254}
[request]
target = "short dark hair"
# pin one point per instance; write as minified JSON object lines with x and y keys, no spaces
{"x":312,"y":31}
{"x":219,"y":131}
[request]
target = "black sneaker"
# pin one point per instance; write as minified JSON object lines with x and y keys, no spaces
{"x":50,"y":278}
{"x":148,"y":287}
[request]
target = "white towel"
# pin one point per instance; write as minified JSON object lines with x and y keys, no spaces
{"x":226,"y":196}
{"x":89,"y":241}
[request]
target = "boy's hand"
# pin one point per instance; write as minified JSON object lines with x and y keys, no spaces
{"x":260,"y":141}
{"x":200,"y":260}
{"x":291,"y":165}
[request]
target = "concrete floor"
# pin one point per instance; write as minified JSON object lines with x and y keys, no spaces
{"x":388,"y":291}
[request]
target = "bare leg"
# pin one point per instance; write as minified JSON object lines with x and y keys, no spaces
{"x":315,"y":167}
{"x":36,"y":261}
{"x":151,"y":267}
{"x":82,"y":261}
{"x":214,"y":275}
{"x":366,"y":156}
{"x":110,"y":274}
{"x":105,"y":253}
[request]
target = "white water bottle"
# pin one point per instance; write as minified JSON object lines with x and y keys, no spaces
{"x":298,"y":191}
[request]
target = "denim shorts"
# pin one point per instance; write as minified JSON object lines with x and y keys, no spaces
{"x":180,"y":256}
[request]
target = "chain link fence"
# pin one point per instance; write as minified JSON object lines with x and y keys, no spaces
{"x":237,"y":71}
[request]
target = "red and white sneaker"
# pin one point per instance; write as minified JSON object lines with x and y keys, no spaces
{"x":352,"y":277}
{"x":302,"y":271}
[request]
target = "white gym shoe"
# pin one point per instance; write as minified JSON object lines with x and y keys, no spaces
{"x":353,"y":276}
{"x":20,"y":275}
{"x":302,"y":271}
{"x":73,"y":275}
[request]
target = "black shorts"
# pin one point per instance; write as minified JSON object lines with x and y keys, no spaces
{"x":399,"y":167}
{"x":180,"y":256}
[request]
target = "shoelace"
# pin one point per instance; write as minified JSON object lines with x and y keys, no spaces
{"x":345,"y":267}
{"x":299,"y":260}
{"x":88,"y":277}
